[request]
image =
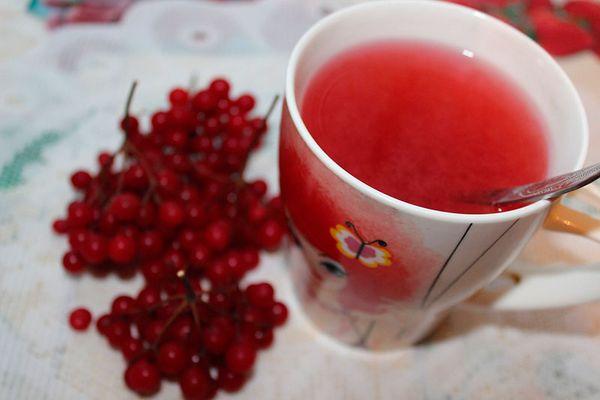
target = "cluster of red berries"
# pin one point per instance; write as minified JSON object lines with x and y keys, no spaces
{"x":562,"y":28}
{"x":206,"y":338}
{"x":173,"y":204}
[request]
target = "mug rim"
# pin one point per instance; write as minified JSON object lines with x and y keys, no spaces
{"x":371,"y":192}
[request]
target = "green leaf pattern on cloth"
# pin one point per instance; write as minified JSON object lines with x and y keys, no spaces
{"x":11,"y":174}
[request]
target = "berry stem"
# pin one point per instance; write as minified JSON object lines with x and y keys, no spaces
{"x":128,"y":102}
{"x":169,"y":322}
{"x":190,"y":296}
{"x":144,"y":164}
{"x":271,"y":107}
{"x":163,"y":303}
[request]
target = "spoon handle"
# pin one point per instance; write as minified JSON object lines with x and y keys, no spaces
{"x":547,"y":189}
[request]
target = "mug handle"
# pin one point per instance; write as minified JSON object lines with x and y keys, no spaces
{"x":578,"y":213}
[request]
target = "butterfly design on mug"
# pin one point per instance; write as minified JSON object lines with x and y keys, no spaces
{"x":370,"y":253}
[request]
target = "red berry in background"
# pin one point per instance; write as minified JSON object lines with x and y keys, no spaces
{"x":80,"y":319}
{"x":180,"y":117}
{"x":93,"y":248}
{"x":219,"y":273}
{"x":146,"y":215}
{"x":245,"y":102}
{"x":235,"y":127}
{"x":212,"y":126}
{"x":152,"y":331}
{"x":263,"y":337}
{"x":154,"y":271}
{"x":172,"y":358}
{"x":220,"y":302}
{"x":179,"y":162}
{"x":177,"y":138}
{"x":168,"y":182}
{"x":201,"y":144}
{"x":103,"y":323}
{"x":60,"y":226}
{"x":129,"y":231}
{"x":131,"y":348}
{"x":558,"y":36}
{"x":123,"y":306}
{"x":541,"y":4}
{"x":230,"y":381}
{"x":256,"y":212}
{"x":135,"y":177}
{"x":125,"y":206}
{"x":215,"y":339}
{"x":116,"y":332}
{"x":121,"y":249}
{"x":129,"y":124}
{"x":174,"y":260}
{"x":195,"y":383}
{"x":261,"y":295}
{"x":159,"y":120}
{"x":240,"y":357}
{"x":105,"y":160}
{"x":81,"y":179}
{"x":143,"y":378}
{"x":218,"y":234}
{"x":150,"y":244}
{"x":171,"y":214}
{"x":278,"y":314}
{"x":219,"y":88}
{"x":212,"y":191}
{"x":178,"y":97}
{"x":195,"y":215}
{"x":80,"y":214}
{"x":187,"y":238}
{"x":107,"y":224}
{"x":183,"y":330}
{"x":236,"y":265}
{"x":148,"y":297}
{"x":204,"y":101}
{"x":587,"y":10}
{"x":253,"y":316}
{"x":276,"y":204}
{"x":223,"y":105}
{"x":259,"y":187}
{"x":198,"y":256}
{"x":270,"y":234}
{"x":73,"y":263}
{"x":250,"y":258}
{"x":259,"y":125}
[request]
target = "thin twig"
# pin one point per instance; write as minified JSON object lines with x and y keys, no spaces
{"x":190,"y":296}
{"x":271,"y":107}
{"x":169,"y":322}
{"x":129,"y":146}
{"x":129,"y":100}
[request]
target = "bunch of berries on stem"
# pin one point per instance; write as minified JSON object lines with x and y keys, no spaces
{"x":172,"y":204}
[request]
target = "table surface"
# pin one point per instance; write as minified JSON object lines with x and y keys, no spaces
{"x":61,"y":91}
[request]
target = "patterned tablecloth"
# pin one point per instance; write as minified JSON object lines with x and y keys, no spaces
{"x":60,"y":94}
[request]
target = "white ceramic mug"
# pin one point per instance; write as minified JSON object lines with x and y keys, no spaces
{"x":384,"y":296}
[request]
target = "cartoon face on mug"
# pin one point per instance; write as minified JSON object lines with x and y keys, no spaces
{"x":352,"y":271}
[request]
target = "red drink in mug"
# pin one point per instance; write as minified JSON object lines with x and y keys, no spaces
{"x":393,"y":111}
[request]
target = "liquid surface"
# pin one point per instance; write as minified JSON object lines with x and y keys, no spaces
{"x":425,"y":124}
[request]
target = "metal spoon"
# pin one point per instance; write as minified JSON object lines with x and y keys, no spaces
{"x":543,"y":190}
